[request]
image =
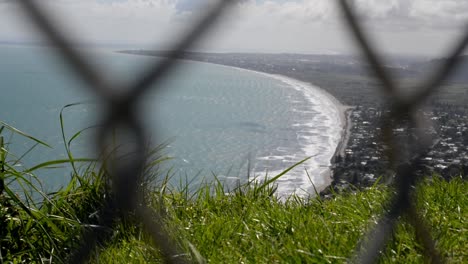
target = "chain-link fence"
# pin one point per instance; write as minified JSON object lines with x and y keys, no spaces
{"x":121,"y":114}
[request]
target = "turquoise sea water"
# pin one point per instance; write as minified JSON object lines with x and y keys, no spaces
{"x":218,"y":120}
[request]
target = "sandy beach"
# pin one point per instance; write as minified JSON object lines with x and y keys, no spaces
{"x":314,"y":175}
{"x":346,"y":115}
{"x":326,"y":176}
{"x":346,"y":123}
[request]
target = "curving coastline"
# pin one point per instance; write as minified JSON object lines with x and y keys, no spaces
{"x":302,"y":185}
{"x":326,"y":176}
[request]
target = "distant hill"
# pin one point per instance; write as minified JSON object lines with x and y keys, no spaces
{"x":284,"y":62}
{"x":460,"y":75}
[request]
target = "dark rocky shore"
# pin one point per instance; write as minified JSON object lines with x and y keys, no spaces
{"x":360,"y":159}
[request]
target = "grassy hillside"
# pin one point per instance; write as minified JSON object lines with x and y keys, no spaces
{"x":245,"y":225}
{"x":249,"y":227}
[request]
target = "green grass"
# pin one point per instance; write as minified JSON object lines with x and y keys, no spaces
{"x":245,"y":225}
{"x":249,"y":227}
{"x":40,"y":227}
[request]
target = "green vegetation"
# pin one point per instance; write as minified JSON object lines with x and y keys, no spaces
{"x":245,"y":225}
{"x":39,"y":227}
{"x":254,"y":227}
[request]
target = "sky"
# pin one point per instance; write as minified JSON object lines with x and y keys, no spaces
{"x":426,"y":27}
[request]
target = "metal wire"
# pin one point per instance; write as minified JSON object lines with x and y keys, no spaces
{"x":402,"y":106}
{"x":122,"y":115}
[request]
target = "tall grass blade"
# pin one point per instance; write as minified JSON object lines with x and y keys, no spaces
{"x":57,"y":162}
{"x":270,"y":181}
{"x":19,"y":132}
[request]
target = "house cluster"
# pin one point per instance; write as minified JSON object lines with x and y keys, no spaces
{"x":443,"y":151}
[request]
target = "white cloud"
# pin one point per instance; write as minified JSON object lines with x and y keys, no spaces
{"x":135,"y":21}
{"x":280,"y":26}
{"x":271,"y":25}
{"x":414,"y":14}
{"x":315,"y":26}
{"x":448,"y":11}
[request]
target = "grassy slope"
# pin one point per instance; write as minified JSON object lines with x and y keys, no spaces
{"x":248,"y":225}
{"x":249,"y":228}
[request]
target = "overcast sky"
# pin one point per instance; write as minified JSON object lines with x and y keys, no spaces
{"x":302,"y":26}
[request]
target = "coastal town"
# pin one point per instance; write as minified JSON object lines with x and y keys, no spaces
{"x":362,"y":159}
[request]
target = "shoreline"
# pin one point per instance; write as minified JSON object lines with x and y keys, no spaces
{"x":344,"y":112}
{"x":347,"y":125}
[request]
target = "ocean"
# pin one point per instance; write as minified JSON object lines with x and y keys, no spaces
{"x":215,"y":120}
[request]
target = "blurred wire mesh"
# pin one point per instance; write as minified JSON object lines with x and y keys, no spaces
{"x":121,"y":115}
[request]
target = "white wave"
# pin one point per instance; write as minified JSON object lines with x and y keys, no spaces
{"x":326,"y":124}
{"x":327,"y":119}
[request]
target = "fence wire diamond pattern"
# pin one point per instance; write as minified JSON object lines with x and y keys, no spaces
{"x":122,"y":115}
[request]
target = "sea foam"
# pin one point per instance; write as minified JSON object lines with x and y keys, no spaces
{"x":319,"y":135}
